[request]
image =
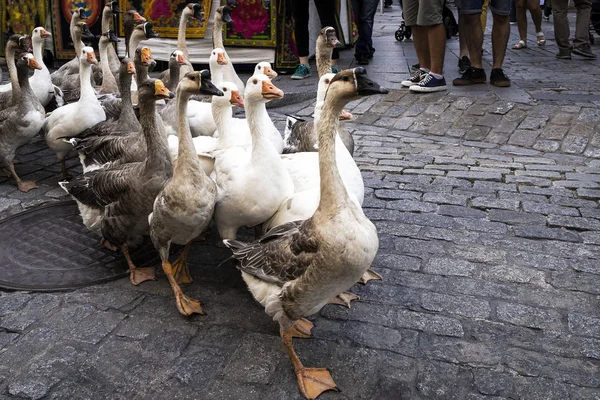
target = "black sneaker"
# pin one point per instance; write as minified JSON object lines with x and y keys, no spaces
{"x":362,"y":59}
{"x":584,"y":51}
{"x":429,"y":84}
{"x":415,"y":66}
{"x":471,"y":76}
{"x":464,"y":64}
{"x":498,"y":78}
{"x":415,"y":78}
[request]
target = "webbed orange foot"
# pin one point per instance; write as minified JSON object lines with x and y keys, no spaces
{"x":314,"y":381}
{"x":368,"y":276}
{"x":26,"y":186}
{"x":139,"y":275}
{"x":188,"y":306}
{"x":344,"y":299}
{"x":302,"y":329}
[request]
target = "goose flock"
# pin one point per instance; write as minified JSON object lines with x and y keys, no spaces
{"x":185,"y":162}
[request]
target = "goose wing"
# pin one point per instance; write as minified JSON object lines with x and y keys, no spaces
{"x":281,"y":255}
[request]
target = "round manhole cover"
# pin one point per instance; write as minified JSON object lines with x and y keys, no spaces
{"x":48,"y":249}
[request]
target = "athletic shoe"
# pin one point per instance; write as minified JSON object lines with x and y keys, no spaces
{"x":498,"y":78}
{"x":415,"y":78}
{"x":335,"y":69}
{"x":429,"y":84}
{"x":464,"y":64}
{"x":471,"y":76}
{"x":584,"y":51}
{"x":302,"y":71}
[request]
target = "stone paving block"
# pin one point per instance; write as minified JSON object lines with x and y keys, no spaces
{"x":577,"y":184}
{"x":477,"y":133}
{"x":554,"y":132}
{"x":404,"y":123}
{"x":589,"y":115}
{"x":513,"y":273}
{"x":574,"y":222}
{"x":440,"y":381}
{"x":482,"y":254}
{"x":448,"y":266}
{"x":481,"y":226}
{"x":493,"y":383}
{"x":417,"y":247}
{"x":583,"y":177}
{"x":535,"y":388}
{"x":397,"y":261}
{"x":487,"y":203}
{"x":580,"y":281}
{"x":255,"y":360}
{"x":433,"y":172}
{"x":486,"y":176}
{"x":574,"y":144}
{"x":530,"y":317}
{"x":388,"y":194}
{"x":466,"y":306}
{"x":466,"y":122}
{"x":563,"y":118}
{"x":590,"y":212}
{"x":533,"y":123}
{"x":411,"y":206}
{"x":584,"y":325}
{"x":572,"y":202}
{"x":440,"y":198}
{"x":536,"y":232}
{"x":447,"y":167}
{"x":445,"y":181}
{"x":528,"y":180}
{"x":516,"y":217}
{"x":35,"y":309}
{"x":459,"y":211}
{"x":392,"y":228}
{"x":547,"y":209}
{"x":462,"y":103}
{"x":522,"y":196}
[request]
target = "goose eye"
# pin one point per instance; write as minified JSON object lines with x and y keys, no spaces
{"x":327,"y":81}
{"x":224,"y":89}
{"x":345,"y":78}
{"x":255,"y":81}
{"x":193,"y":78}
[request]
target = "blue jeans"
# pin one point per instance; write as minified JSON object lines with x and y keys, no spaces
{"x":364,"y":13}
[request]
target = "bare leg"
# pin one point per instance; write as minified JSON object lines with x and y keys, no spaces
{"x":462,"y":38}
{"x":536,"y":16}
{"x":24,"y":186}
{"x":185,"y":305}
{"x":500,"y":33}
{"x":437,"y":47}
{"x":344,"y":299}
{"x":137,"y":275}
{"x":421,"y":42}
{"x":521,"y":14}
{"x":180,"y":266}
{"x":311,"y":381}
{"x":474,"y":38}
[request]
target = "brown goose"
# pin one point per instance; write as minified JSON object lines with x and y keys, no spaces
{"x":191,"y":10}
{"x":296,"y":268}
{"x":326,"y":42}
{"x":111,"y":9}
{"x":116,"y":202}
{"x":11,"y":93}
{"x":130,"y":20}
{"x":109,"y":83}
{"x":21,"y":122}
{"x":184,"y":208}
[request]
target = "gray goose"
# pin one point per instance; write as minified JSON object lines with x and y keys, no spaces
{"x":108,"y":18}
{"x":116,"y":202}
{"x":296,"y":268}
{"x":191,"y":10}
{"x":11,"y":93}
{"x":109,"y":83}
{"x":130,"y":20}
{"x":21,"y":122}
{"x":184,"y":208}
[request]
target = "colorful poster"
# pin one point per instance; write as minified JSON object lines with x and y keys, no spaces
{"x":165,"y":15}
{"x":254,"y":23}
{"x":20,"y":17}
{"x":62,"y":11}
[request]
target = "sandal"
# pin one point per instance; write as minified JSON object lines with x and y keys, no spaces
{"x":541,"y":40}
{"x":521,"y":44}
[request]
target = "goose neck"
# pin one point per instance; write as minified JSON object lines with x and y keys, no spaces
{"x":125,"y":89}
{"x":27,"y":94}
{"x":156,"y":142}
{"x":258,"y":118}
{"x":107,"y":19}
{"x":181,"y":43}
{"x":174,"y":77}
{"x":77,"y":42}
{"x":136,"y":37}
{"x":218,"y":33}
{"x":12,"y":72}
{"x":333,"y":191}
{"x":223,"y":114}
{"x":108,"y":79}
{"x":323,"y":58}
{"x":37,"y":55}
{"x":85,"y":75}
{"x":187,"y":159}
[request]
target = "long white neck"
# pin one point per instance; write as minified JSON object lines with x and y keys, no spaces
{"x":223,"y":115}
{"x":136,"y":37}
{"x":333,"y":191}
{"x":218,"y":33}
{"x":181,"y":43}
{"x":108,"y":79}
{"x":107,"y":19}
{"x":37,"y":55}
{"x":216,"y":73}
{"x":258,"y":122}
{"x":85,"y":75}
{"x":77,"y":42}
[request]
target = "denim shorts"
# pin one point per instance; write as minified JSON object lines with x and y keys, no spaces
{"x":423,"y":12}
{"x":498,"y":7}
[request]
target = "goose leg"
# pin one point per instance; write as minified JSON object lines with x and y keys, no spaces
{"x":344,"y":299}
{"x":137,"y":275}
{"x":185,"y":305}
{"x":369,"y":275}
{"x":64,"y":169}
{"x":311,"y":381}
{"x":302,"y":329}
{"x":180,"y":267}
{"x":24,"y":186}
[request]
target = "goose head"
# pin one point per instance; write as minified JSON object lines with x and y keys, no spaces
{"x":223,"y":14}
{"x":27,"y":62}
{"x":145,"y":31}
{"x":177,"y":58}
{"x":127,"y":66}
{"x":39,"y":34}
{"x":260,"y":89}
{"x":264,"y":68}
{"x":79,"y":15}
{"x":143,"y":56}
{"x":218,"y":57}
{"x":18,"y":43}
{"x":86,"y":34}
{"x":109,"y":37}
{"x":329,"y":36}
{"x":112,"y":7}
{"x":153,"y":90}
{"x":194,"y":10}
{"x":88,"y":56}
{"x":351,"y":84}
{"x":132,"y":18}
{"x":231,"y":95}
{"x":198,"y":82}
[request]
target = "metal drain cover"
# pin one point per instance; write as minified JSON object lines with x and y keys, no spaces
{"x":49,"y":249}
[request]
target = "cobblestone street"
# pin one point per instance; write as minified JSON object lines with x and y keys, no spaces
{"x":487,"y":206}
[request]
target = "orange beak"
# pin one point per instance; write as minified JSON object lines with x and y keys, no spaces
{"x":236,"y":99}
{"x":180,"y":59}
{"x":45,"y":34}
{"x":146,"y":56}
{"x":221,"y":59}
{"x":161,"y":90}
{"x":131,"y":67}
{"x":33,"y":64}
{"x":270,"y":73}
{"x":91,"y":58}
{"x":270,"y":91}
{"x":138,"y":19}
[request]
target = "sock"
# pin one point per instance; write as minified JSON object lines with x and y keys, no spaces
{"x":436,"y":76}
{"x":424,"y":70}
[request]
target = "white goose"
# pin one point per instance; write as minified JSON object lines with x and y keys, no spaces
{"x":222,"y":17}
{"x":252,"y":184}
{"x":74,"y":118}
{"x":41,"y":82}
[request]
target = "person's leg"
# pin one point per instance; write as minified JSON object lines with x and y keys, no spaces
{"x":536,"y":16}
{"x":421,"y":42}
{"x":582,"y":38}
{"x":369,"y":8}
{"x":474,"y":38}
{"x":500,"y":34}
{"x":521,"y":24}
{"x":462,"y":37}
{"x":361,"y":47}
{"x":300,"y":14}
{"x":436,"y":36}
{"x":561,"y":27}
